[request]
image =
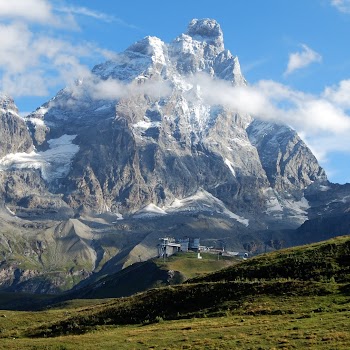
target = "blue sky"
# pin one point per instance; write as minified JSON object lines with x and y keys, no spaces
{"x":299,"y":47}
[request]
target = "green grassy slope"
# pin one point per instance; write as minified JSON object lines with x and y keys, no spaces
{"x":269,"y":276}
{"x":190,"y":266}
{"x":324,"y":261}
{"x":262,"y":322}
{"x":184,"y":301}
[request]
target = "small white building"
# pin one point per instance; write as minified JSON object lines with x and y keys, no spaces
{"x":168,"y":245}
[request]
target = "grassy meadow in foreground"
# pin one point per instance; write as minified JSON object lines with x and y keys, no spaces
{"x":261,"y":323}
{"x":305,"y":304}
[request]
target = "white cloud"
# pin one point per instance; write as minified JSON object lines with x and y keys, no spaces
{"x":341,"y":5}
{"x":29,"y":10}
{"x":298,"y":60}
{"x":112,"y":89}
{"x":340,"y":95}
{"x":36,"y":11}
{"x":328,"y":143}
{"x":34,"y":60}
{"x":83,"y":11}
{"x":28,"y":84}
{"x":32,"y":63}
{"x":86,"y":12}
{"x":15,"y":41}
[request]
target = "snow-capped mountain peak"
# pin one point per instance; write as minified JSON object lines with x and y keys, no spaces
{"x":143,"y":58}
{"x":7,"y":104}
{"x":207,"y":30}
{"x":149,"y":46}
{"x":200,"y":49}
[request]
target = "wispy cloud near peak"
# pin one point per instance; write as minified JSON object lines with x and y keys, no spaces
{"x":341,"y":5}
{"x":84,"y":11}
{"x":302,"y":59}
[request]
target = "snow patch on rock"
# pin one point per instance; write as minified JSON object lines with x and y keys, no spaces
{"x":146,"y":124}
{"x":279,"y":207}
{"x":204,"y":201}
{"x":11,"y":111}
{"x":230,"y":166}
{"x":53,"y":163}
{"x":150,"y":210}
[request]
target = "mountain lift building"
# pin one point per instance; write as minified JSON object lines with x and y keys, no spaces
{"x":169,"y":246}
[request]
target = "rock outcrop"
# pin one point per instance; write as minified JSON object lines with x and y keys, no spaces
{"x":14,"y":136}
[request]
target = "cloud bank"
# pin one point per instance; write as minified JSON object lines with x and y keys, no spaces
{"x":29,"y":10}
{"x":340,"y":94}
{"x":98,"y":89}
{"x":272,"y":101}
{"x":321,"y":119}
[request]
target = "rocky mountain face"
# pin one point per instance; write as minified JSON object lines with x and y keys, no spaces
{"x":287,"y":161}
{"x":14,"y":136}
{"x":142,"y":148}
{"x":134,"y":152}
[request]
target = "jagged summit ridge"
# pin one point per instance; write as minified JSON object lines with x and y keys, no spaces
{"x":5,"y":100}
{"x":7,"y":104}
{"x":200,"y":49}
{"x":207,"y":30}
{"x":149,"y":46}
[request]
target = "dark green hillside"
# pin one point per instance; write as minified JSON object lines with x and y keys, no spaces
{"x":135,"y":278}
{"x":178,"y":302}
{"x":324,"y":261}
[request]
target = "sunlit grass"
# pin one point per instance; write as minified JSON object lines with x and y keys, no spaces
{"x":308,"y":327}
{"x":190,"y":266}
